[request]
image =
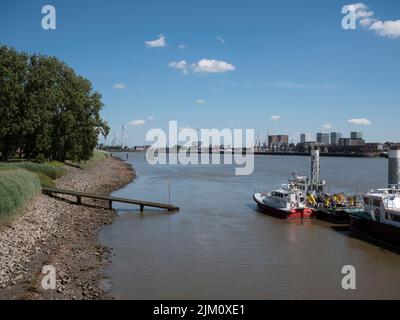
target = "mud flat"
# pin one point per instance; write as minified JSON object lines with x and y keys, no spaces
{"x":55,"y":231}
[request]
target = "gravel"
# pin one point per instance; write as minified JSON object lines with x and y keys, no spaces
{"x":55,"y":231}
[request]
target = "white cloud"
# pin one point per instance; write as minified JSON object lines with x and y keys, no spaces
{"x":212,"y":66}
{"x":182,"y":46}
{"x":275,"y":118}
{"x":137,"y":123}
{"x":220,"y":39}
{"x":119,"y":86}
{"x":150,"y":118}
{"x":360,"y":122}
{"x":200,"y":101}
{"x":327,"y":126}
{"x":368,"y":20}
{"x":180,"y":65}
{"x":158,"y":43}
{"x":390,"y":29}
{"x":203,"y":66}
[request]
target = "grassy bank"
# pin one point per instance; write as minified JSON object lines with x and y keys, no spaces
{"x":21,"y":181}
{"x":17,"y":187}
{"x":97,"y":155}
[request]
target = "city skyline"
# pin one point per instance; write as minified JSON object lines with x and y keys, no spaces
{"x":264,"y":66}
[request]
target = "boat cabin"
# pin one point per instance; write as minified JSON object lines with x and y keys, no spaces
{"x":383,"y":206}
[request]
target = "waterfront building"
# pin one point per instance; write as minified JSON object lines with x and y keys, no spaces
{"x":305,"y":137}
{"x":335,"y":137}
{"x":323,"y":138}
{"x":346,"y":142}
{"x":356,"y":135}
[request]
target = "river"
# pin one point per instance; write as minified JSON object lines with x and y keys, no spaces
{"x":220,"y":247}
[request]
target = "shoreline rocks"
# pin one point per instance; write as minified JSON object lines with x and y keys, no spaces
{"x":55,"y":231}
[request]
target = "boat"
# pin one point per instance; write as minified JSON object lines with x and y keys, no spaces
{"x":336,"y":208}
{"x":381,"y":215}
{"x":380,"y":218}
{"x":288,"y":202}
{"x":306,"y":197}
{"x":331,"y":207}
{"x":291,"y":200}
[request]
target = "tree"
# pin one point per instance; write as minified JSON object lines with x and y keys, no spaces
{"x":47,"y":110}
{"x":13,"y":72}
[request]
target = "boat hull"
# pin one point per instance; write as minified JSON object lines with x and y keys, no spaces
{"x":305,"y":213}
{"x":377,"y":230}
{"x":338,"y":215}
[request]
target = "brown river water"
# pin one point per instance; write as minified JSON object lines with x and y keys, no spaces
{"x":219,"y":246}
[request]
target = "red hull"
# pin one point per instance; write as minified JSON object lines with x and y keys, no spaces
{"x":306,"y":213}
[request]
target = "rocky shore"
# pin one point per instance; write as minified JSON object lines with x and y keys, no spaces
{"x":55,"y":231}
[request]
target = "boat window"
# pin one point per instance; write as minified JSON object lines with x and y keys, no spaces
{"x":301,"y":199}
{"x":376,"y":203}
{"x":366,"y":200}
{"x":395,"y":217}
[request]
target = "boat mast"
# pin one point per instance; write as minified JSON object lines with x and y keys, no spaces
{"x":315,"y":167}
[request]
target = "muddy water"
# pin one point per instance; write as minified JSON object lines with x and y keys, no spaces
{"x":220,"y":247}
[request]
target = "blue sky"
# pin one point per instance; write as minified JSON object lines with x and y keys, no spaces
{"x":288,"y":59}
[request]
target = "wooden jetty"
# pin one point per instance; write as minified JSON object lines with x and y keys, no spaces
{"x":80,"y":195}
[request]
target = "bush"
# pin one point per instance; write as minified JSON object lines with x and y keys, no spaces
{"x":53,"y":172}
{"x":45,"y":180}
{"x":17,"y":187}
{"x":99,"y":155}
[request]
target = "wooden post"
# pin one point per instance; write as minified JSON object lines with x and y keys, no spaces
{"x":110,"y":204}
{"x":141,"y":208}
{"x":78,"y":200}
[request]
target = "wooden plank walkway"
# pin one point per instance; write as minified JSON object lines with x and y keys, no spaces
{"x":80,"y":195}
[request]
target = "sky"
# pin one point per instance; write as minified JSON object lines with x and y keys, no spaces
{"x":283,"y":67}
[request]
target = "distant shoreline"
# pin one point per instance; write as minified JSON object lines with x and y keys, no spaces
{"x":301,"y":154}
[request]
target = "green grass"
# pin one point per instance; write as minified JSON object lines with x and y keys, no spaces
{"x":55,"y":164}
{"x":52,"y":171}
{"x":45,"y":180}
{"x":17,"y":187}
{"x":99,"y":155}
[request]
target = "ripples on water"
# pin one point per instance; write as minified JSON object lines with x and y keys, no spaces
{"x":220,"y":247}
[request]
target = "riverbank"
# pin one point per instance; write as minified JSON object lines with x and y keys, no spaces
{"x":54,"y":231}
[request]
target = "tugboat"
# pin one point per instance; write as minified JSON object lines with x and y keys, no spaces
{"x":306,"y":197}
{"x":381,"y":215}
{"x":288,"y":202}
{"x":291,"y":200}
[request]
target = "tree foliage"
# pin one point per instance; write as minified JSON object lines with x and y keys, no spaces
{"x":46,"y":110}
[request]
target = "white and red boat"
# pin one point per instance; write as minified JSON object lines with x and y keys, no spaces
{"x":288,"y":202}
{"x":291,"y":200}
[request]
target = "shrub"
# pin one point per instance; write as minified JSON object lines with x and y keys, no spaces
{"x":99,"y":155}
{"x":45,"y":180}
{"x":17,"y":187}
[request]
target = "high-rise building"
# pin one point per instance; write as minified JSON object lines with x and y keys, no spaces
{"x":305,"y":137}
{"x":356,"y":135}
{"x":323,"y":138}
{"x":335,"y":138}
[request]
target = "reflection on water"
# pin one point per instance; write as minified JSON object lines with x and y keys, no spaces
{"x":220,"y":247}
